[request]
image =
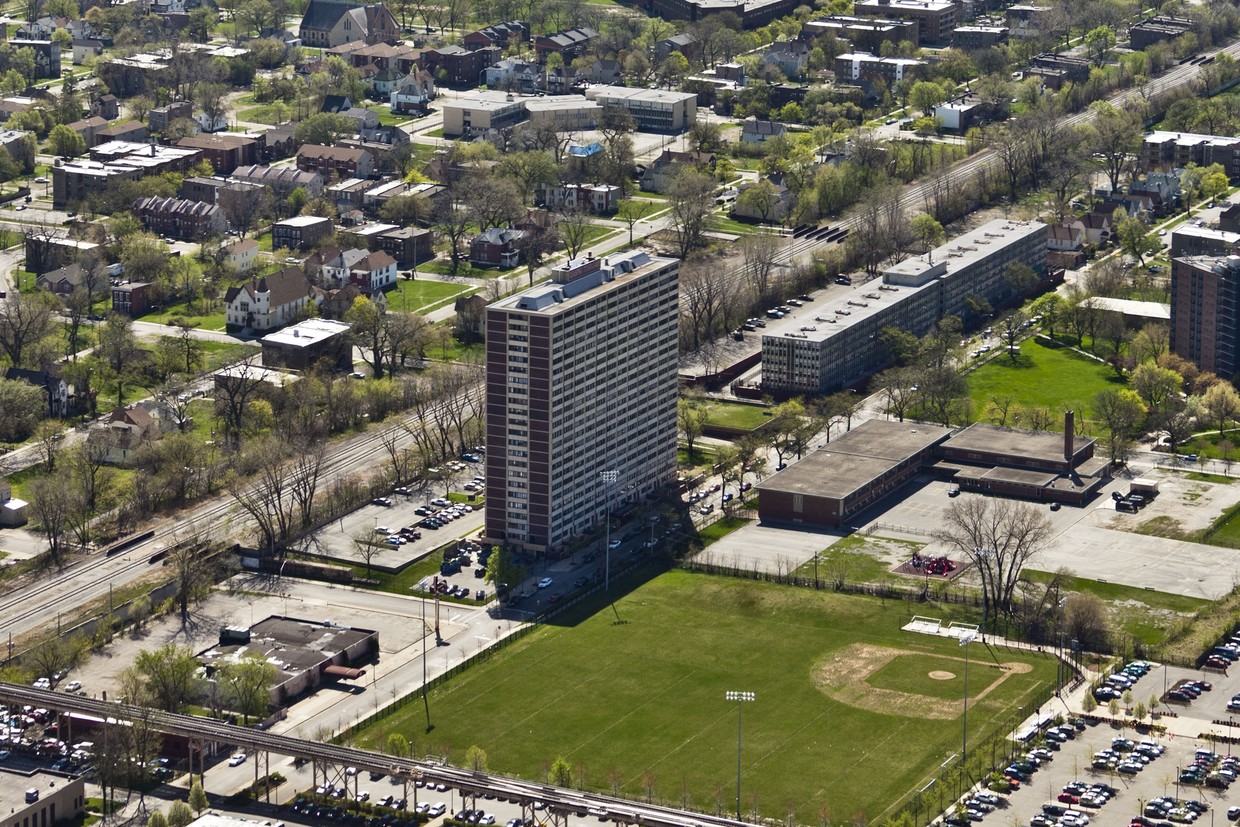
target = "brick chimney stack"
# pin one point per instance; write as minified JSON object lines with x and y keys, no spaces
{"x":1069,"y":434}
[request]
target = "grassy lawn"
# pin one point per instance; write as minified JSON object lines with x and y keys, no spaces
{"x":1055,"y":378}
{"x":386,"y":118}
{"x":723,"y":224}
{"x":650,"y":717}
{"x":466,"y":270}
{"x":736,"y":415}
{"x":216,"y":319}
{"x":1207,"y":445}
{"x":450,"y":349}
{"x":650,"y":196}
{"x":702,"y":455}
{"x":434,"y":133}
{"x":219,"y":354}
{"x":419,"y":295}
{"x":720,"y":529}
{"x":857,"y":559}
{"x":268,"y":113}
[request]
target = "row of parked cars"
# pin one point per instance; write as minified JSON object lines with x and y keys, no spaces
{"x":1114,"y":686}
{"x":1127,"y":756}
{"x":1186,"y":691}
{"x":1164,"y":810}
{"x":1211,"y":770}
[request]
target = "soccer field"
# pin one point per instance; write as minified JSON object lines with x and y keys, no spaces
{"x":851,"y":713}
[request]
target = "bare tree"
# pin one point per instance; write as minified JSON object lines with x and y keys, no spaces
{"x":691,"y":200}
{"x":367,"y":547}
{"x":999,"y":537}
{"x":573,"y":226}
{"x":234,"y":393}
{"x":26,"y":321}
{"x":759,"y":254}
{"x":308,"y":459}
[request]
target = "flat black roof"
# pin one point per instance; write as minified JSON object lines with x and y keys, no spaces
{"x":996,"y":441}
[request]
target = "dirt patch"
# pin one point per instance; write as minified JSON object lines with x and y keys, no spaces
{"x":940,"y":675}
{"x":842,"y":678}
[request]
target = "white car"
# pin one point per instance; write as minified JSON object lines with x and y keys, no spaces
{"x":237,"y":759}
{"x":73,"y":686}
{"x":42,"y":683}
{"x":438,"y":809}
{"x":545,"y":583}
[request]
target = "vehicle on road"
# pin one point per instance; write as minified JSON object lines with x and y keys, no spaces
{"x":238,"y":758}
{"x":545,"y":583}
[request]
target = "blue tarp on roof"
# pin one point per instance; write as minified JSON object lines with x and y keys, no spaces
{"x":585,"y":151}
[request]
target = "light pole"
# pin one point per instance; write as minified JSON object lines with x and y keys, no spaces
{"x":965,"y":640}
{"x":741,"y":698}
{"x":609,"y":479}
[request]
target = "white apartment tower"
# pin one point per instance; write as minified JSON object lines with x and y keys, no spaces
{"x":581,"y":380}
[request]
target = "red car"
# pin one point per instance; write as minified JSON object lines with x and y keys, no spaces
{"x":1069,"y":798}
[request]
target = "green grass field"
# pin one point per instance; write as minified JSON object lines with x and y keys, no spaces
{"x":736,"y":414}
{"x":1041,"y":376}
{"x":651,"y":712}
{"x":418,"y":295}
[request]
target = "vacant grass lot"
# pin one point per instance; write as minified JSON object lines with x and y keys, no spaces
{"x":1041,"y":376}
{"x":635,"y":698}
{"x":1146,"y":614}
{"x":736,"y":414}
{"x":421,"y":295}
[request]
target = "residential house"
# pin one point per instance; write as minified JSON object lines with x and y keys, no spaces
{"x":471,"y":314}
{"x":364,"y":118}
{"x":1229,"y":219}
{"x":413,"y":93}
{"x":55,"y":390}
{"x":503,"y":35}
{"x":594,"y":198}
{"x":128,"y":131}
{"x":87,"y":127}
{"x":514,"y":75}
{"x":227,"y":151}
{"x":1095,"y":225}
{"x":410,"y":246}
{"x":569,"y":44}
{"x":161,"y":116}
{"x":334,"y":304}
{"x":663,"y":170}
{"x":374,"y":271}
{"x":133,"y":298}
{"x":686,"y":44}
{"x":776,"y":210}
{"x":342,"y":162}
{"x":396,"y":57}
{"x":242,"y":255}
{"x":335,"y":104}
{"x":46,"y":252}
{"x":87,"y":48}
{"x":335,"y":266}
{"x":862,"y":66}
{"x":328,"y":23}
{"x":755,"y":131}
{"x":788,"y":56}
{"x":348,"y":194}
{"x":46,"y":56}
{"x":1065,"y":246}
{"x":62,"y":281}
{"x":300,"y":232}
{"x":179,"y":218}
{"x":267,"y":303}
{"x":131,"y":429}
{"x":604,"y":70}
{"x":281,"y":180}
{"x":137,"y":74}
{"x":280,"y":143}
{"x":107,"y":107}
{"x":496,"y":247}
{"x":458,"y":67}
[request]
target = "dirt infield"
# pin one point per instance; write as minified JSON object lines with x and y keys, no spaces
{"x":843,"y":678}
{"x":940,"y":675}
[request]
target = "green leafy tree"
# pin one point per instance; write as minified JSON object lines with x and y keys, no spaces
{"x":246,"y":685}
{"x":180,"y":814}
{"x":476,"y":759}
{"x":503,"y":571}
{"x":928,"y":231}
{"x":169,"y":675}
{"x":324,"y":128}
{"x":157,"y":819}
{"x":1099,"y":42}
{"x":1121,"y":411}
{"x":397,"y":745}
{"x":197,"y":798}
{"x":66,"y":143}
{"x":925,"y":95}
{"x":1133,"y":236}
{"x":561,"y":772}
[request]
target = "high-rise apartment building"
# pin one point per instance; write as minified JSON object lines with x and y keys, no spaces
{"x":1205,"y":311}
{"x":581,"y":380}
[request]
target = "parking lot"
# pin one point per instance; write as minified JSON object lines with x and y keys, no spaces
{"x":1072,"y":761}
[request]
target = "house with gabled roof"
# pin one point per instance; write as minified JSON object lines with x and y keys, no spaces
{"x":267,"y":303}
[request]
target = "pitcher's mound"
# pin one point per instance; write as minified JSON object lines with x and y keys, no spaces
{"x":940,"y":675}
